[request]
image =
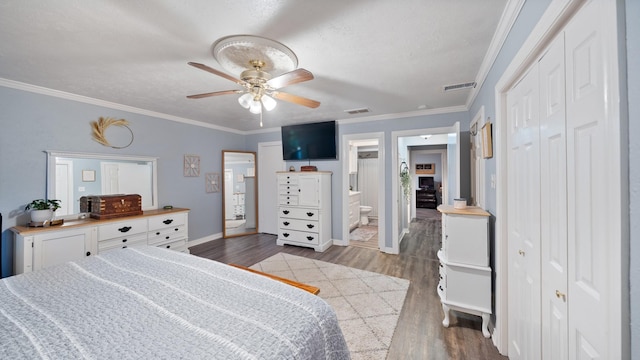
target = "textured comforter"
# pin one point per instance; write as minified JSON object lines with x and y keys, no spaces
{"x":152,"y":303}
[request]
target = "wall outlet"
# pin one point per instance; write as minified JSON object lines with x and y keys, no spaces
{"x":493,"y":181}
{"x":81,"y":189}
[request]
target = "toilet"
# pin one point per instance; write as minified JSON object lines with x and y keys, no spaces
{"x":364,"y":214}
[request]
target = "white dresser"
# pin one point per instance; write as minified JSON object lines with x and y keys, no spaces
{"x":304,"y":209}
{"x":465,"y":274}
{"x":37,"y":248}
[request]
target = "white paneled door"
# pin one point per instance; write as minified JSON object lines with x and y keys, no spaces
{"x":524,"y":219}
{"x":563,"y":168}
{"x":553,"y":201}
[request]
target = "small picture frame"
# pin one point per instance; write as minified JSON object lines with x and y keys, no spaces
{"x":487,"y":141}
{"x":425,"y":168}
{"x":88,"y":175}
{"x":191,"y":165}
{"x":212,"y":182}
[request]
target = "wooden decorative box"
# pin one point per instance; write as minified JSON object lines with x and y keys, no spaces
{"x":111,"y":206}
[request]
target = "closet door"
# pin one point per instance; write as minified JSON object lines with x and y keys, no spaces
{"x":553,"y":201}
{"x":524,"y":218}
{"x":594,"y":266}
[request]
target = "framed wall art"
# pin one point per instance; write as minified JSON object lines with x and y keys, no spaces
{"x":191,"y":165}
{"x":487,"y":141}
{"x":88,"y":175}
{"x":212,"y":182}
{"x":425,"y":168}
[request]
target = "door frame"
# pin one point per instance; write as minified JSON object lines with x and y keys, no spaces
{"x":346,"y":138}
{"x":548,"y":27}
{"x":395,"y":174}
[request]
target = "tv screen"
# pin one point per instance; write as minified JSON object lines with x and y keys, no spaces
{"x":315,"y":141}
{"x":426,"y":182}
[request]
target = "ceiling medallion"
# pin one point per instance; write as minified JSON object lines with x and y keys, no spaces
{"x":235,"y":53}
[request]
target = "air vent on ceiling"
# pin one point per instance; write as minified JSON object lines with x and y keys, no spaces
{"x":357,"y":111}
{"x":460,"y":86}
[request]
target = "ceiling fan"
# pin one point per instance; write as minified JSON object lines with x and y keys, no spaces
{"x":255,"y":56}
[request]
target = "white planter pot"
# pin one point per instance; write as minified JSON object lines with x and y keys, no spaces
{"x":38,"y":216}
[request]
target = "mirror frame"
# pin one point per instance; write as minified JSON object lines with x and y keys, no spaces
{"x":225,"y":232}
{"x":51,"y":172}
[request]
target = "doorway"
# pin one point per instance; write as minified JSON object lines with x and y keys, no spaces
{"x":363,"y":185}
{"x":402,"y":142}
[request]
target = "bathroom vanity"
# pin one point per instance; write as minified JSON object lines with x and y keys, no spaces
{"x":354,"y":209}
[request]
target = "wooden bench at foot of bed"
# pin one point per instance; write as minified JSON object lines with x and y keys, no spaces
{"x":312,"y":289}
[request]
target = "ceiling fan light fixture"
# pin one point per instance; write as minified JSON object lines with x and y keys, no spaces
{"x":245,"y":100}
{"x":268,"y":102}
{"x":255,"y":107}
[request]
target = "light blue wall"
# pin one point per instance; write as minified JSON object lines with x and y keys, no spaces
{"x":31,"y":123}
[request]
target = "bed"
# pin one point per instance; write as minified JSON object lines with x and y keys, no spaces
{"x":153,"y":303}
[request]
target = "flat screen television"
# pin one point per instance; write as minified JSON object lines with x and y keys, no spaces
{"x":314,"y":141}
{"x":426,"y":182}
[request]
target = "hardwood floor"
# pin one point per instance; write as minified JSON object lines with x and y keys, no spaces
{"x":419,"y":334}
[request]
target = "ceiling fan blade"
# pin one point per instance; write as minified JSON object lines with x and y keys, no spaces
{"x":216,"y":72}
{"x":215,"y":93}
{"x":290,"y":78}
{"x":295,"y":99}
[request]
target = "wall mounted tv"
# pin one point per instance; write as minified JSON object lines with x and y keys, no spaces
{"x":315,"y":141}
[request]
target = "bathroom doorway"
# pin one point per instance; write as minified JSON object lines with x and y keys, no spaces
{"x":363,"y":200}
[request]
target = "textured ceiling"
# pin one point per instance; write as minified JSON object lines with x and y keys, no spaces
{"x":388,"y":56}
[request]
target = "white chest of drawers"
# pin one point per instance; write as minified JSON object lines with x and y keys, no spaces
{"x":36,"y":248}
{"x":465,"y":275}
{"x":304,"y":209}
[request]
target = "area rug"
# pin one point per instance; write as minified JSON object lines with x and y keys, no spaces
{"x":363,"y":233}
{"x":367,"y":304}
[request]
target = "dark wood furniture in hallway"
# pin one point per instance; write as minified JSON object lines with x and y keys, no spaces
{"x":419,"y":334}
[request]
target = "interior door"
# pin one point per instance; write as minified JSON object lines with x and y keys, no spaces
{"x":524,"y":218}
{"x":593,"y":293}
{"x":553,"y":217}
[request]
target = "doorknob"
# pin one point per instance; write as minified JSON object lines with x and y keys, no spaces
{"x":521,"y":252}
{"x":560,"y":295}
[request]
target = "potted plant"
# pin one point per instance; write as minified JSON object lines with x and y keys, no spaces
{"x":405,"y":181}
{"x":42,"y":210}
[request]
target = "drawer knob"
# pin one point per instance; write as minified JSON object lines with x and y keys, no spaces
{"x":88,"y":253}
{"x":124,"y":240}
{"x":310,"y":226}
{"x":168,"y":246}
{"x":285,"y":223}
{"x":310,"y":214}
{"x":168,"y":221}
{"x":124,"y":247}
{"x":176,"y":229}
{"x":285,"y":234}
{"x":167,"y":237}
{"x":309,"y":238}
{"x":124,"y":229}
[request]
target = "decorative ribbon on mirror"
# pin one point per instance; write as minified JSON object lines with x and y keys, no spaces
{"x":99,"y":127}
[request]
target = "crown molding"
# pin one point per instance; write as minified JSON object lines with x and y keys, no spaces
{"x":508,"y":18}
{"x":111,"y":105}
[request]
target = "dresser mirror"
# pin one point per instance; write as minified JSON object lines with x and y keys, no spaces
{"x":239,"y":186}
{"x":73,"y":175}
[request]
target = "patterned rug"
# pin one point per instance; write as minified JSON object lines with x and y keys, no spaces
{"x":367,"y":304}
{"x":363,"y":233}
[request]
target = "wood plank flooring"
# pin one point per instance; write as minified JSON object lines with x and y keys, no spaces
{"x":419,"y":334}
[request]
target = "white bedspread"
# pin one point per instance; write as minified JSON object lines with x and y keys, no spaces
{"x":152,"y":303}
